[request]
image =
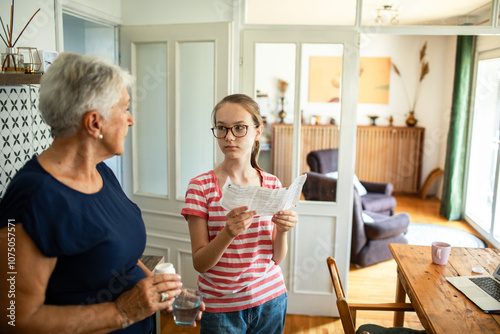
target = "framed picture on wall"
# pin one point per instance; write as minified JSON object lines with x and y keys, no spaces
{"x":325,"y":79}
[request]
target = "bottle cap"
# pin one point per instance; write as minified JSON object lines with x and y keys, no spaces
{"x":164,"y":268}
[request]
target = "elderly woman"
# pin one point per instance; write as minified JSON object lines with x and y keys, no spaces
{"x":73,"y":236}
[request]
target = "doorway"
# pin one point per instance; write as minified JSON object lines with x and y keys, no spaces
{"x":281,"y":68}
{"x":181,"y":71}
{"x":84,"y":36}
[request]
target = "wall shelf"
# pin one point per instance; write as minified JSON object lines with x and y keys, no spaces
{"x":19,"y":79}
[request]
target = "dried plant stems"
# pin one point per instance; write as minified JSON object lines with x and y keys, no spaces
{"x":11,"y":22}
{"x":404,"y":86}
{"x":8,"y":40}
{"x":3,"y":39}
{"x":423,"y":69}
{"x":6,"y":35}
{"x":25,"y":27}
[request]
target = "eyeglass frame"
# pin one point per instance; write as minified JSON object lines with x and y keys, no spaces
{"x":231,"y":128}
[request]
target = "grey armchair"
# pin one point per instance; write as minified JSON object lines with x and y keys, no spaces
{"x":379,"y":195}
{"x":370,"y":239}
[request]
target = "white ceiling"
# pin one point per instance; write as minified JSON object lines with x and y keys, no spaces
{"x":439,"y":12}
{"x":343,"y":12}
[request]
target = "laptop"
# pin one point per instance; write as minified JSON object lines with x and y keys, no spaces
{"x":482,"y":290}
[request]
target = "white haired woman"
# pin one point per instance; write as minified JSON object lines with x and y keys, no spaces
{"x":77,"y":238}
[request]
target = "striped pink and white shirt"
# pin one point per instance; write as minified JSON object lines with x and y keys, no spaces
{"x":245,"y":276}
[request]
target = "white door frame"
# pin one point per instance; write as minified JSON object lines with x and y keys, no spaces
{"x":84,"y":12}
{"x":167,"y":231}
{"x":336,"y":216}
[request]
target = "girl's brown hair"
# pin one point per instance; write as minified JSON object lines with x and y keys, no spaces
{"x":253,"y":108}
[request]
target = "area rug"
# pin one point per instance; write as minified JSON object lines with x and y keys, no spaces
{"x":424,"y":234}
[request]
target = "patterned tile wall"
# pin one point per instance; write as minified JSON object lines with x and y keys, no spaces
{"x":23,"y":132}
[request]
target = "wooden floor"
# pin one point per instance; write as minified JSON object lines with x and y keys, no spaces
{"x":376,"y":283}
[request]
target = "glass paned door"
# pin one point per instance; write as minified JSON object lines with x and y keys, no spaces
{"x":482,"y":175}
{"x":320,"y":105}
{"x":274,"y":91}
{"x":318,"y":100}
{"x":330,"y":70}
{"x":181,"y":72}
{"x":151,"y":145}
{"x":196,"y":98}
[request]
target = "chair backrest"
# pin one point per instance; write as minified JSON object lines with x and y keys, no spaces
{"x":319,"y":187}
{"x":323,"y":161}
{"x":343,"y":307}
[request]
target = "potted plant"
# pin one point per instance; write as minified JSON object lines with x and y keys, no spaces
{"x":423,"y":71}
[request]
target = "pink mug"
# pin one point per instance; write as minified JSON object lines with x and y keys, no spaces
{"x":440,"y":252}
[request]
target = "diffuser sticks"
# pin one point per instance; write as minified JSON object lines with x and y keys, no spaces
{"x":7,"y":37}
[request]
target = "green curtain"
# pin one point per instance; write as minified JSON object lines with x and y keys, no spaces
{"x":454,"y":169}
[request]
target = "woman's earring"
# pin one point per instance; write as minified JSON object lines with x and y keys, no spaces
{"x":101,"y":136}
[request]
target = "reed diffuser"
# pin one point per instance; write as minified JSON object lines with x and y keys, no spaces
{"x":12,"y":62}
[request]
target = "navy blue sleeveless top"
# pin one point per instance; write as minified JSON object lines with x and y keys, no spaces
{"x":97,"y":238}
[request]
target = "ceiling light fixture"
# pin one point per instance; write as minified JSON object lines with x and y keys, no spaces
{"x":387,"y":14}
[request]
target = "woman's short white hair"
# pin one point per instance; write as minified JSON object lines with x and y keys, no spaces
{"x":76,"y":84}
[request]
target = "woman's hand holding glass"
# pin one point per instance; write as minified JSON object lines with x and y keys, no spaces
{"x":169,"y":311}
{"x":285,"y":220}
{"x":145,"y":298}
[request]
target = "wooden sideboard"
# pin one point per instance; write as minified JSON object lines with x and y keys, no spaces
{"x":383,"y":153}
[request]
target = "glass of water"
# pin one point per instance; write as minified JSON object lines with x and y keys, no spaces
{"x":186,"y":307}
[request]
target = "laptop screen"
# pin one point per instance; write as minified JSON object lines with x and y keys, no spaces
{"x":497,"y":273}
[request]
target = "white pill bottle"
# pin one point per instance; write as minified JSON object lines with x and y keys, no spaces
{"x":164,"y":268}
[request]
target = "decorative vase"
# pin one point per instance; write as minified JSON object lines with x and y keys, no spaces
{"x":411,"y":120}
{"x":373,"y":118}
{"x":12,"y":62}
{"x":282,"y":113}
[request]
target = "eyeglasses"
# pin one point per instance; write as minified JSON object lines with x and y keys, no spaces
{"x":239,"y":130}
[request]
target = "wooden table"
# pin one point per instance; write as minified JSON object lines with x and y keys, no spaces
{"x":151,"y":261}
{"x":440,"y":307}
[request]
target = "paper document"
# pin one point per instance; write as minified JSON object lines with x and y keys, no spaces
{"x":263,"y":200}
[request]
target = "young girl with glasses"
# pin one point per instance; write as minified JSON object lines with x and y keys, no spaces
{"x":236,"y":252}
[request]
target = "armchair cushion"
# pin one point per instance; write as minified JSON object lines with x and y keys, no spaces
{"x":369,"y":241}
{"x":377,"y":202}
{"x":387,"y":227}
{"x":378,"y":187}
{"x":359,"y":186}
{"x":367,"y":218}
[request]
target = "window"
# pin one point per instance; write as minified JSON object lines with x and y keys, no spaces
{"x":481,"y":199}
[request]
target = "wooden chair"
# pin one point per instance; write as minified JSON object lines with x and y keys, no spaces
{"x":348,"y":311}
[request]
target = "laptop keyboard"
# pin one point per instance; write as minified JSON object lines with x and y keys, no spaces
{"x":489,"y":285}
